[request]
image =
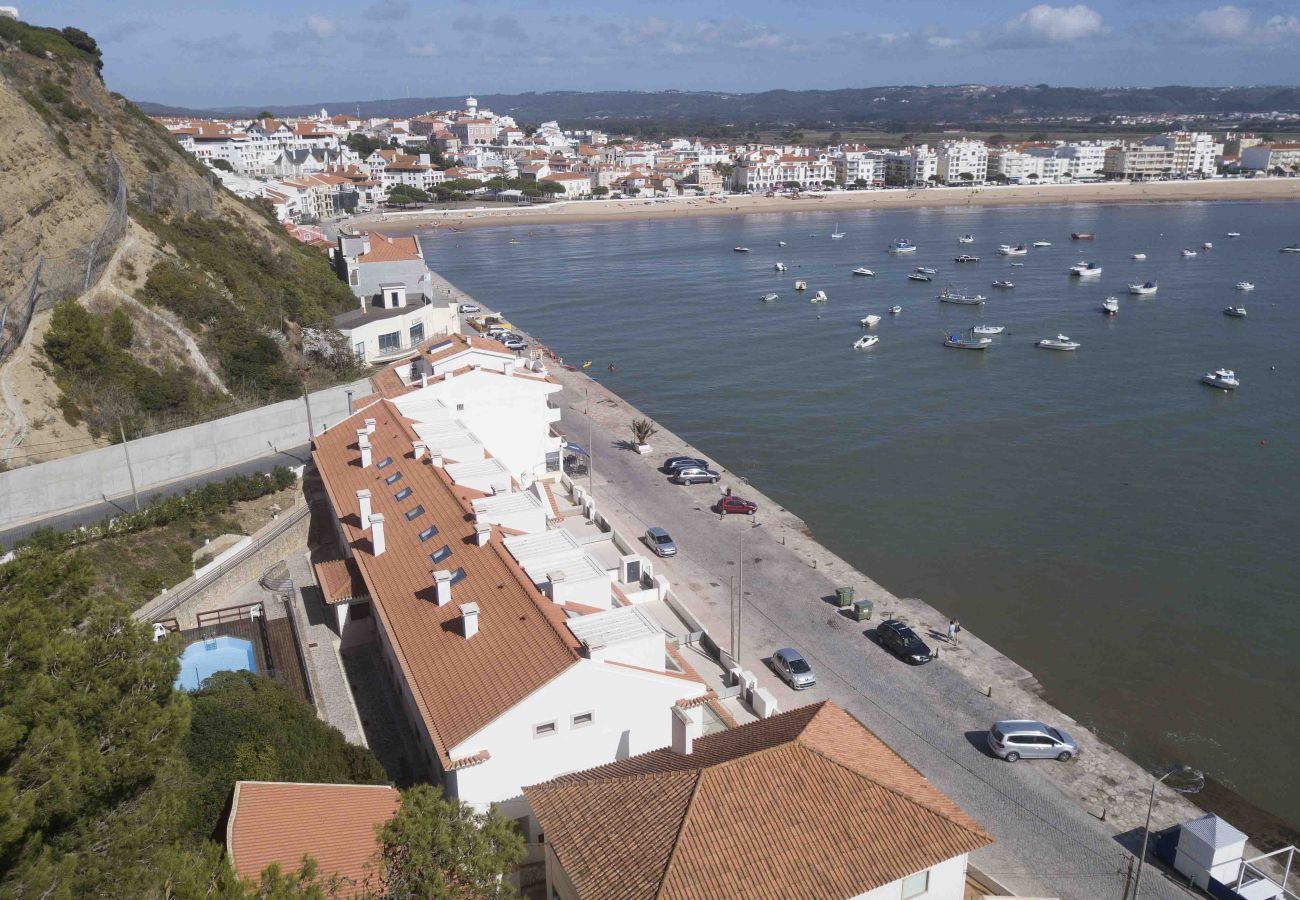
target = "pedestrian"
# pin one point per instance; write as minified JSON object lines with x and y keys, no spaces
{"x":953,"y":628}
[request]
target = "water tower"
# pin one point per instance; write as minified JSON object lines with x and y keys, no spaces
{"x":471,"y":105}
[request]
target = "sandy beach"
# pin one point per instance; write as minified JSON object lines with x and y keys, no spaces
{"x":989,"y":195}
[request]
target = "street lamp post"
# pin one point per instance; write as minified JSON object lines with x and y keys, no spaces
{"x":1195,"y":781}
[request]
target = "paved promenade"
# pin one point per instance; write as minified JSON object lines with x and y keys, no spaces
{"x":1045,"y":815}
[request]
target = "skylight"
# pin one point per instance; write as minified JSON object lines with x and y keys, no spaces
{"x":458,"y":575}
{"x":402,"y":494}
{"x":428,"y":533}
{"x":440,"y":554}
{"x":396,"y":476}
{"x":414,"y":513}
{"x":384,"y":463}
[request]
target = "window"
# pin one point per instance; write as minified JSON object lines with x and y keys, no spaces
{"x":360,"y":350}
{"x":553,"y":461}
{"x":402,"y":494}
{"x":582,"y":720}
{"x":417,"y":333}
{"x":546,"y":729}
{"x":414,"y":513}
{"x":384,"y":463}
{"x":428,"y":533}
{"x":396,"y":476}
{"x":916,"y":885}
{"x":390,"y":341}
{"x":458,"y":575}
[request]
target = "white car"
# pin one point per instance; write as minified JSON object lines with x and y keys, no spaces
{"x":470,"y":308}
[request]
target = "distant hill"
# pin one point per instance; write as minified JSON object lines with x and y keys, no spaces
{"x":938,"y":104}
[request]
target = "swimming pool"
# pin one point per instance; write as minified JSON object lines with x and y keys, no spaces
{"x":219,"y":654}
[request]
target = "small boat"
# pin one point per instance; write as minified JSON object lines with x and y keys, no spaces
{"x":1018,"y":265}
{"x":1085,"y":270}
{"x":948,"y":295}
{"x":965,"y":258}
{"x":1060,"y":342}
{"x":902,"y":245}
{"x":1237,"y":312}
{"x":1187,"y":253}
{"x":780,"y":267}
{"x":919,"y":276}
{"x":861,"y":270}
{"x":1139,"y":256}
{"x":966,"y":239}
{"x":1224,"y":379}
{"x":1042,"y":243}
{"x":895,"y":310}
{"x":741,"y":249}
{"x":967,"y":343}
{"x":1082,"y":236}
{"x":1008,"y":250}
{"x":867,"y":340}
{"x":819,"y":297}
{"x":768,"y":298}
{"x":801,"y":285}
{"x":869,"y":321}
{"x":1234,"y":234}
{"x":780,"y":243}
{"x":1110,"y":306}
{"x":1004,"y":284}
{"x":988,"y":329}
{"x":1207,"y":246}
{"x":1245,"y":285}
{"x":1294,"y":248}
{"x":926,"y":270}
{"x":837,"y":234}
{"x":1142,"y":290}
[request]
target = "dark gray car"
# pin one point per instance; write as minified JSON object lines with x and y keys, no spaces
{"x":694,"y":475}
{"x":660,"y":542}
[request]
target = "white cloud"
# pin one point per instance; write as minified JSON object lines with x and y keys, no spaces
{"x":321,"y":27}
{"x":1058,"y":24}
{"x":1234,"y":25}
{"x":1282,"y":27}
{"x":1226,"y":23}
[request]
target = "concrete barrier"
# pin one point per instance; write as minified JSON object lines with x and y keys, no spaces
{"x":62,"y":485}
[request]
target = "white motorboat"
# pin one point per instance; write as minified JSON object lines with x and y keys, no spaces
{"x":1017,"y":265}
{"x":1234,"y":234}
{"x":869,"y":321}
{"x":1004,"y":284}
{"x":819,"y":297}
{"x":1207,"y":246}
{"x":1139,"y":256}
{"x":1224,"y":379}
{"x":837,"y":234}
{"x":801,"y":285}
{"x":862,"y":270}
{"x":919,"y":276}
{"x":1245,"y":285}
{"x":1237,"y":312}
{"x":1085,"y":270}
{"x":1008,"y":250}
{"x":768,"y":298}
{"x":895,"y":310}
{"x":1042,"y":243}
{"x":741,"y":249}
{"x":965,"y":258}
{"x":967,"y":343}
{"x":902,"y":245}
{"x":780,"y":243}
{"x":1110,"y":306}
{"x":780,"y":267}
{"x":926,"y":270}
{"x":1060,"y":342}
{"x":867,"y":340}
{"x":966,"y":239}
{"x":1142,"y":290}
{"x":1187,"y":253}
{"x":948,"y":295}
{"x":988,"y":329}
{"x":1294,"y":248}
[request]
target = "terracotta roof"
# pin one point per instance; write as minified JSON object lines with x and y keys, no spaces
{"x":340,"y":581}
{"x":807,"y":798}
{"x":390,"y":249}
{"x":459,"y":685}
{"x":459,"y":343}
{"x":335,"y":824}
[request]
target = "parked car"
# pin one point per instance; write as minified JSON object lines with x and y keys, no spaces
{"x":513,"y":343}
{"x":469,"y":308}
{"x":793,"y":668}
{"x":673,"y":463}
{"x":660,"y":542}
{"x":729,"y":506}
{"x":903,"y":642}
{"x":695,"y":475}
{"x":1016,"y":738}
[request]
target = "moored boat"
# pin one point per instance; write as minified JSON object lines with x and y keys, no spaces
{"x":1234,"y":234}
{"x":902,"y":245}
{"x":1187,"y":252}
{"x":1237,"y":312}
{"x":926,"y":270}
{"x":1207,"y":246}
{"x":1294,"y":248}
{"x":918,"y":276}
{"x":1082,"y":236}
{"x":1085,"y":270}
{"x":780,"y":267}
{"x":801,"y":285}
{"x":768,"y":298}
{"x":965,"y":258}
{"x":988,"y":329}
{"x":819,"y":297}
{"x":869,"y":321}
{"x":1139,"y":256}
{"x":1141,"y":290}
{"x":867,"y":340}
{"x":1224,"y":379}
{"x":895,"y":310}
{"x":967,"y":343}
{"x":966,"y":239}
{"x":1042,"y":243}
{"x":948,"y":295}
{"x":1008,"y":250}
{"x":863,"y":270}
{"x":741,"y":249}
{"x":1004,"y":284}
{"x":1245,"y":285}
{"x":1110,"y":306}
{"x":1060,"y":342}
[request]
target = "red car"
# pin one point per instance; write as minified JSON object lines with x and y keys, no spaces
{"x":729,"y":505}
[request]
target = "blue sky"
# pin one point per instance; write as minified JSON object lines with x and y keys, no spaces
{"x":289,"y":51}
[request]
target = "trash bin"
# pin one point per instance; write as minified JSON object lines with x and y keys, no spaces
{"x":862,"y":610}
{"x":844,"y":597}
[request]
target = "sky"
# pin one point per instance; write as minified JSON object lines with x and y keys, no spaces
{"x":205,"y":54}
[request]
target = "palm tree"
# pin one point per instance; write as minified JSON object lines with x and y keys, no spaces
{"x":642,"y":431}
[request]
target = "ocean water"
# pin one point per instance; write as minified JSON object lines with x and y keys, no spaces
{"x":1129,"y":535}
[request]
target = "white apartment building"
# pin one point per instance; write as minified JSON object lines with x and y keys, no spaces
{"x":1140,"y":162}
{"x":575,"y":184}
{"x":1026,"y":166}
{"x":963,"y":162}
{"x":1269,"y":157}
{"x":1195,"y":152}
{"x":855,"y":163}
{"x":1083,"y":161}
{"x":911,"y":165}
{"x":768,"y":170}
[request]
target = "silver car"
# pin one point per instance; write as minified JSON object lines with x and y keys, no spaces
{"x":1016,"y":738}
{"x":660,"y":542}
{"x":793,"y":668}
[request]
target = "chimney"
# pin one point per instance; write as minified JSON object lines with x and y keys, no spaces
{"x":363,"y":442}
{"x":469,"y":619}
{"x":363,"y":506}
{"x":377,"y":533}
{"x":442,"y":587}
{"x":435,"y":459}
{"x":370,"y":426}
{"x":482,"y":534}
{"x":417,"y":450}
{"x":509,"y":368}
{"x":688,"y":726}
{"x":424,"y":379}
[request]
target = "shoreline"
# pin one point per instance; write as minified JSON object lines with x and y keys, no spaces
{"x":584,"y":211}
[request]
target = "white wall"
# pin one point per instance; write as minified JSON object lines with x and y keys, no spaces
{"x":947,"y":882}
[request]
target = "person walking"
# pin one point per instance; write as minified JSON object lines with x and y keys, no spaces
{"x":953,"y":628}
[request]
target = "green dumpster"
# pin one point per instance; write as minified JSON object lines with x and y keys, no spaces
{"x":844,"y":597}
{"x":862,"y":610}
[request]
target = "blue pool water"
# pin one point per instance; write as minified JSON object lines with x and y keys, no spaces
{"x":204,"y":658}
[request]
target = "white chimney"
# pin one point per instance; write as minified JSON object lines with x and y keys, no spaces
{"x":482,"y":534}
{"x":424,"y":379}
{"x":469,"y":619}
{"x":509,"y":367}
{"x":363,"y":441}
{"x":435,"y":459}
{"x":363,"y":505}
{"x":688,"y":726}
{"x":370,"y":426}
{"x":417,"y":450}
{"x":442,"y":587}
{"x":377,"y":533}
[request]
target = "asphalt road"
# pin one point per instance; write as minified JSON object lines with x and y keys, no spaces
{"x":1047,"y":843}
{"x":96,"y":512}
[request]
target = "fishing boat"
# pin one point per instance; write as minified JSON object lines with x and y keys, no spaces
{"x":1082,"y":236}
{"x":1234,"y":234}
{"x":1142,"y":290}
{"x":768,"y":298}
{"x":926,"y":270}
{"x":1060,"y":342}
{"x":895,"y":310}
{"x":801,"y":285}
{"x":988,"y":329}
{"x":1294,"y":248}
{"x":948,"y":295}
{"x":819,"y":297}
{"x":1245,"y":285}
{"x":1085,"y":270}
{"x":1237,"y":312}
{"x":1008,"y":250}
{"x":862,"y":270}
{"x":780,"y":267}
{"x":1187,"y":253}
{"x":1224,"y":379}
{"x":902,"y":245}
{"x":869,"y":321}
{"x":1110,"y":306}
{"x":867,"y":340}
{"x":1004,"y":284}
{"x":965,"y":258}
{"x":780,"y":243}
{"x":967,"y":343}
{"x":966,"y":239}
{"x":919,"y":276}
{"x":741,"y":249}
{"x":1042,"y":243}
{"x":1139,"y":256}
{"x":837,"y":234}
{"x":1207,"y":246}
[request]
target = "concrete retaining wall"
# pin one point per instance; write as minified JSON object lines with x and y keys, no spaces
{"x":60,"y":485}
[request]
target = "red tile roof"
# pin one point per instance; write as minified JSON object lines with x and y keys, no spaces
{"x":390,"y":249}
{"x":335,"y":824}
{"x":808,"y":798}
{"x":340,"y":581}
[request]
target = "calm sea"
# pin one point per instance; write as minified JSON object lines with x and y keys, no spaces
{"x":1126,"y":533}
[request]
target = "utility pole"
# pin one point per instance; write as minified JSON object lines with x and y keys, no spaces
{"x":129,"y":471}
{"x":740,"y":593}
{"x":591,"y":450}
{"x":311,"y":431}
